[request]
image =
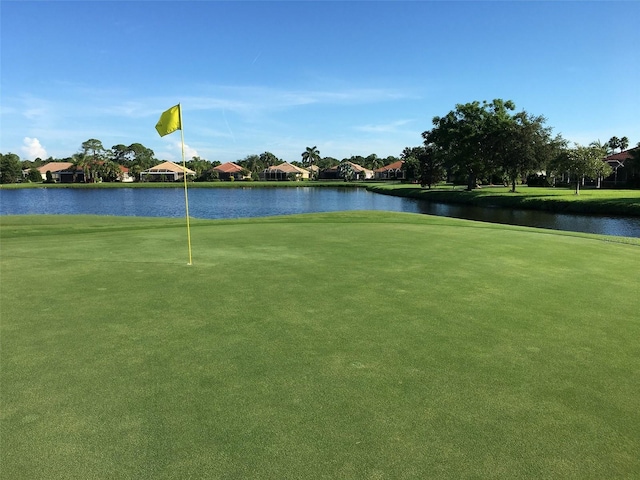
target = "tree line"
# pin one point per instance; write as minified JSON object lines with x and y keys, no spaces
{"x":99,"y":163}
{"x":476,"y":142}
{"x":489,"y":142}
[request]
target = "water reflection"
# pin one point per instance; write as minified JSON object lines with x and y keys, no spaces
{"x":261,"y":202}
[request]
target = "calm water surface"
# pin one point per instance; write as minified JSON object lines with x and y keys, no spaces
{"x":262,"y":202}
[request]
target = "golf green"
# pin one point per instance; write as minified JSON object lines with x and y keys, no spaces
{"x":340,"y":345}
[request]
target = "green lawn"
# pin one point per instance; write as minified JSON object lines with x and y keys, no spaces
{"x":345,"y":345}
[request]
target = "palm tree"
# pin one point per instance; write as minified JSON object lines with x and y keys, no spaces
{"x":605,"y":147}
{"x":310,"y":156}
{"x":624,"y":143}
{"x":80,"y":162}
{"x":614,"y":142}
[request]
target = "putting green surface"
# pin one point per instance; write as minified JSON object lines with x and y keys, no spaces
{"x":341,"y":345}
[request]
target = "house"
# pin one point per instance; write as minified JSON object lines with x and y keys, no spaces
{"x":285,"y":171}
{"x":61,"y":172}
{"x":360,"y":172}
{"x":620,"y":175}
{"x":230,"y":169}
{"x":166,"y":172}
{"x":393,"y":171}
{"x":125,"y":175}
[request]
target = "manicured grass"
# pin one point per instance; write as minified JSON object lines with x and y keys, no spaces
{"x":589,"y":201}
{"x":341,"y":345}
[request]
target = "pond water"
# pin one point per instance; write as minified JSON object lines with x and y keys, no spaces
{"x":261,"y":202}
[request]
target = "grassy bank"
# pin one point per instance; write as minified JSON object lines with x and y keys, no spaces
{"x":342,"y":345}
{"x":562,"y":200}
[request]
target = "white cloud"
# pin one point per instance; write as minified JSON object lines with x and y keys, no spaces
{"x":32,"y":149}
{"x":383,"y":128}
{"x":176,"y":152}
{"x":189,"y":152}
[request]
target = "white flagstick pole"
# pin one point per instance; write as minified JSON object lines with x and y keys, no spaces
{"x":186,"y":197}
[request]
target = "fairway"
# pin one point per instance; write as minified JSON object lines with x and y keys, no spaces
{"x":355,"y":345}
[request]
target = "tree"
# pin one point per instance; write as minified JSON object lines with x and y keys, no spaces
{"x":90,"y":157}
{"x":614,"y":142}
{"x":140,"y":155}
{"x":134,"y":171}
{"x":605,"y":147}
{"x":372,"y":162}
{"x":462,"y":135}
{"x":34,"y":175}
{"x":346,"y":171}
{"x":523,"y":145}
{"x":200,"y":166}
{"x":94,"y":149}
{"x":80,"y":162}
{"x":580,"y":162}
{"x":120,"y":154}
{"x":411,"y":169}
{"x":109,"y":171}
{"x":624,"y":143}
{"x":327,"y":162}
{"x":251,"y":163}
{"x":268,"y":159}
{"x":10,"y":168}
{"x":310,"y":156}
{"x":412,"y":158}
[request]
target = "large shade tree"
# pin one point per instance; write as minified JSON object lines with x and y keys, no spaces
{"x":486,"y":139}
{"x":462,"y":134}
{"x":523,"y":145}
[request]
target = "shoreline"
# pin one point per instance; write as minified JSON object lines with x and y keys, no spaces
{"x":608,"y":202}
{"x":620,"y":203}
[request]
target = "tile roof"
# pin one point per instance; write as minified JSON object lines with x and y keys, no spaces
{"x":620,"y":157}
{"x":392,"y":166}
{"x":228,"y":167}
{"x":356,"y":168}
{"x":286,"y":168}
{"x":55,"y":167}
{"x":169,"y":167}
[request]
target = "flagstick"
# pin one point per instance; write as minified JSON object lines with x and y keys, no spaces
{"x":186,"y":197}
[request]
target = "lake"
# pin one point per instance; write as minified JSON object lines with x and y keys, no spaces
{"x":261,"y":202}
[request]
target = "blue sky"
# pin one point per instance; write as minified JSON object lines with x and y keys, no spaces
{"x":352,"y":78}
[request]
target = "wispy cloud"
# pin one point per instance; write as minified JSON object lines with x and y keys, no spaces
{"x":392,"y":127}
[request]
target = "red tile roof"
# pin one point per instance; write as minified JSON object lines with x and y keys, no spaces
{"x":620,"y":157}
{"x":228,"y":167}
{"x":392,"y":166}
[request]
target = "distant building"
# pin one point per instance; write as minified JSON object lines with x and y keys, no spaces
{"x":230,"y":169}
{"x":620,"y":174}
{"x":361,"y":172}
{"x":285,"y":171}
{"x":61,"y":172}
{"x":393,"y":171}
{"x":166,"y":172}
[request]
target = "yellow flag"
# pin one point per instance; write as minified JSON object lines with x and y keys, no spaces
{"x":169,"y":121}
